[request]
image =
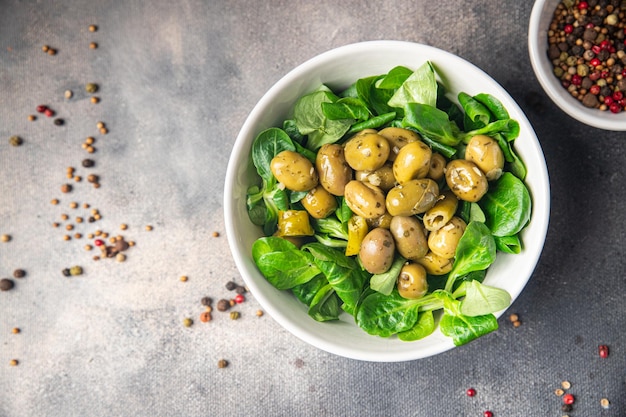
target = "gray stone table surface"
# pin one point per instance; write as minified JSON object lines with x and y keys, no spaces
{"x":176,"y":81}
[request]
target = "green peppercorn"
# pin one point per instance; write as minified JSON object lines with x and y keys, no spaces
{"x":76,"y":270}
{"x":91,"y":87}
{"x":234,"y":315}
{"x":15,"y":141}
{"x":187,"y":322}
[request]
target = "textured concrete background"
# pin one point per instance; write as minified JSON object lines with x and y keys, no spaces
{"x":176,"y":83}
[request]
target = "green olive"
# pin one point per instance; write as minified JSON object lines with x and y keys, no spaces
{"x":443,"y":242}
{"x":397,"y":138}
{"x":413,"y":197}
{"x":382,"y":177}
{"x":294,"y":223}
{"x":487,"y":154}
{"x":332,"y":168}
{"x":367,"y":151}
{"x":319,"y":203}
{"x":412,"y":282}
{"x":435,"y":264}
{"x":466,"y":180}
{"x":383,"y":221}
{"x":294,"y":171}
{"x":377,"y":251}
{"x":442,"y":212}
{"x":364,"y":199}
{"x":437,"y":166}
{"x":410,"y":236}
{"x":412,"y":162}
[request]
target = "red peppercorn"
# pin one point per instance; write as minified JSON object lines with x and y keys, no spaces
{"x":41,"y":108}
{"x":239,"y":298}
{"x":568,"y":399}
{"x":617,"y":95}
{"x":577,"y":79}
{"x":624,"y":72}
{"x":596,"y":49}
{"x":568,"y":29}
{"x":604,"y":74}
{"x":470,"y":392}
{"x":603,"y":351}
{"x":48,"y":112}
{"x":98,"y":242}
{"x":488,"y":414}
{"x":605,"y":44}
{"x":594,"y":89}
{"x":608,"y":100}
{"x":589,"y":26}
{"x":583,"y":5}
{"x":615,"y":108}
{"x":595,"y":62}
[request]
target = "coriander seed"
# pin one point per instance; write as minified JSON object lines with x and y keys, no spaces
{"x":68,"y":94}
{"x":93,"y":28}
{"x":6,"y":284}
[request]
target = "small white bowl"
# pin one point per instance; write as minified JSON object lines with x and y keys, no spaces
{"x":339,"y":68}
{"x":540,"y":19}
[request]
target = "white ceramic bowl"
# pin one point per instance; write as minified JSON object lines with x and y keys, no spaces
{"x":540,"y":19}
{"x":339,"y":68}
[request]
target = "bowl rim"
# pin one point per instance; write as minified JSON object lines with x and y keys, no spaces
{"x":541,"y":216}
{"x":542,"y":67}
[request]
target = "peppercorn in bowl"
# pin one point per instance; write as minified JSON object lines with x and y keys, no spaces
{"x":578,"y":54}
{"x":328,"y":219}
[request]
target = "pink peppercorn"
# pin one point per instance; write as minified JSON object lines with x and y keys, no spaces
{"x":41,"y":108}
{"x":583,"y":5}
{"x":596,"y":49}
{"x":48,"y":112}
{"x":603,"y":351}
{"x":577,"y":79}
{"x":608,"y":100}
{"x":98,"y":242}
{"x":568,"y":29}
{"x":615,"y":108}
{"x":470,"y":392}
{"x":239,"y":298}
{"x":488,"y":414}
{"x":617,"y":95}
{"x":568,"y":399}
{"x":594,"y":89}
{"x":595,"y":62}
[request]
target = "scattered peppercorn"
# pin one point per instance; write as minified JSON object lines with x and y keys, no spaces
{"x":88,"y":163}
{"x":15,"y":330}
{"x":230,"y":285}
{"x":92,"y":178}
{"x":558,"y":392}
{"x":569,"y":399}
{"x":239,"y":298}
{"x":14,"y":362}
{"x":567,"y":407}
{"x":234,"y":315}
{"x":241,"y":289}
{"x":566,"y":385}
{"x":93,"y":45}
{"x":223,"y":305}
{"x":120,"y":257}
{"x":187,"y":322}
{"x":93,"y":28}
{"x":222,"y":363}
{"x":6,"y":284}
{"x":206,"y":301}
{"x":49,"y":112}
{"x":603,"y":351}
{"x":76,"y":270}
{"x":59,"y":122}
{"x":66,"y":188}
{"x":216,"y":234}
{"x":41,"y":108}
{"x":488,"y":414}
{"x":91,"y":87}
{"x":184,"y":278}
{"x":15,"y":141}
{"x":19,"y":273}
{"x":259,"y":313}
{"x":5,"y":238}
{"x":470,"y":392}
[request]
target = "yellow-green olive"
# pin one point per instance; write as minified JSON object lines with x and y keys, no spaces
{"x":410,"y":237}
{"x":294,"y":223}
{"x":365,"y":131}
{"x":319,"y":203}
{"x":466,"y":180}
{"x":437,"y":166}
{"x":332,"y":168}
{"x":377,"y":251}
{"x":435,"y":264}
{"x":487,"y":154}
{"x":443,"y":242}
{"x":366,"y":152}
{"x":383,"y":221}
{"x":397,"y":138}
{"x":382,"y":177}
{"x":442,"y":212}
{"x":364,"y":199}
{"x":412,"y":162}
{"x":413,"y":197}
{"x":294,"y":171}
{"x":412,"y":282}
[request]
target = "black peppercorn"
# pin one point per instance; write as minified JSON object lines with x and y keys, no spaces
{"x":6,"y":284}
{"x":240,"y":289}
{"x":66,"y":272}
{"x":88,"y":163}
{"x":59,"y":122}
{"x":230,"y":285}
{"x":567,"y":408}
{"x":19,"y":273}
{"x":206,"y":301}
{"x":223,"y":305}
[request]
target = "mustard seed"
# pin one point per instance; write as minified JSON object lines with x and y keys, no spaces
{"x":99,"y":125}
{"x":93,"y":28}
{"x":94,"y":100}
{"x":78,"y":178}
{"x":52,"y":51}
{"x":184,"y":278}
{"x":513,"y":317}
{"x":90,"y":140}
{"x":14,"y":362}
{"x":32,"y":117}
{"x":69,"y":227}
{"x":148,"y":228}
{"x":68,"y":94}
{"x":93,"y":178}
{"x":120,"y":257}
{"x":517,"y":323}
{"x":77,"y":236}
{"x":67,"y":237}
{"x":64,"y":217}
{"x":66,"y":188}
{"x":222,"y":363}
{"x":86,"y":205}
{"x":93,"y":45}
{"x":5,"y":238}
{"x":45,"y":48}
{"x":259,"y":313}
{"x":90,"y":149}
{"x":73,"y":205}
{"x":88,"y":247}
{"x":123,"y":226}
{"x":55,"y":225}
{"x":216,"y":234}
{"x":54,"y":201}
{"x":15,"y":330}
{"x":187,"y":322}
{"x":79,"y":220}
{"x":604,"y":402}
{"x":104,"y":130}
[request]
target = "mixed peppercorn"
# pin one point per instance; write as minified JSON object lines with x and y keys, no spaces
{"x":586,"y":44}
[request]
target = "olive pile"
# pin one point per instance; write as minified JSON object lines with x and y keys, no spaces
{"x":391,"y":180}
